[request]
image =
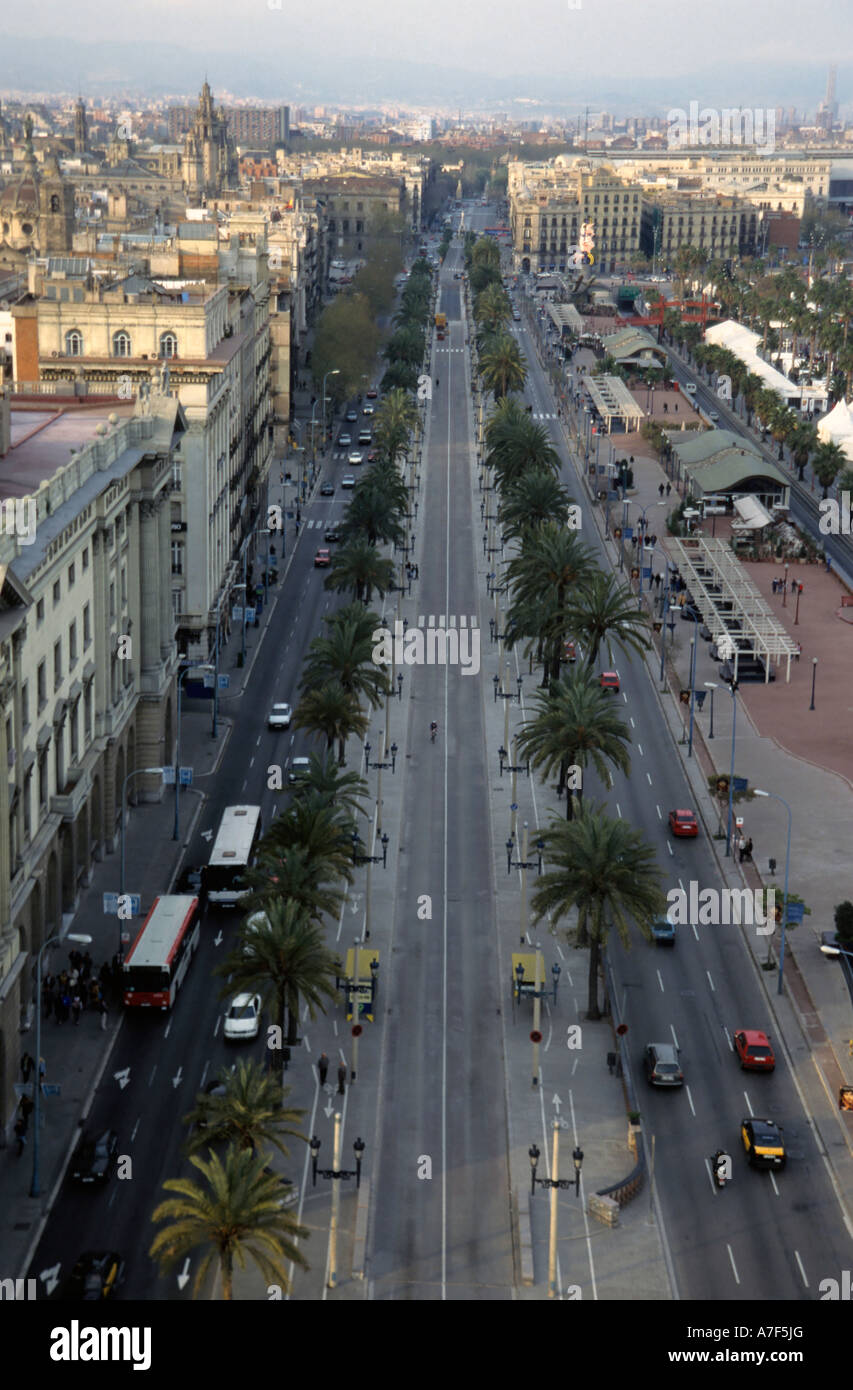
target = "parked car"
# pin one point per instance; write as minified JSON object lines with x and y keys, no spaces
{"x":243,"y":1018}
{"x":684,"y":824}
{"x":95,"y":1157}
{"x":753,"y":1050}
{"x":661,"y":1065}
{"x":279,"y":717}
{"x":747,"y":670}
{"x":95,"y":1276}
{"x":763,"y":1142}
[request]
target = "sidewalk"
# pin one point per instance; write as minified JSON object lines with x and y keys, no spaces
{"x":784,"y":747}
{"x":76,"y":1057}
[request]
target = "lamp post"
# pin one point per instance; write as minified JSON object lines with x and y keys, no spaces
{"x":776,"y":797}
{"x":797,"y":609}
{"x":37,"y":1077}
{"x":137,"y":772}
{"x":785,"y":589}
{"x":641,"y":547}
{"x":336,"y":1175}
{"x":335,"y":371}
{"x":176,"y":833}
{"x":694,"y":642}
{"x":814,"y":678}
{"x":732,"y":770}
{"x":712,"y":686}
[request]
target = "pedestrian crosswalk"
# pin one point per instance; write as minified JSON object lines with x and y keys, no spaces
{"x":463,"y":621}
{"x":545,"y":416}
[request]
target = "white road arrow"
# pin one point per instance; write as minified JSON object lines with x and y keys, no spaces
{"x":50,"y":1279}
{"x":122,"y":1077}
{"x":207,"y":835}
{"x":556,"y":1102}
{"x":329,"y":1110}
{"x":217,"y":940}
{"x":184,"y":1276}
{"x":176,"y":1080}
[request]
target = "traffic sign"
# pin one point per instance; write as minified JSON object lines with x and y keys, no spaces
{"x":796,"y":912}
{"x":237,"y":613}
{"x":250,"y":615}
{"x":111,"y":904}
{"x":186,"y":776}
{"x":224,"y":682}
{"x":51,"y":1088}
{"x":357,"y":1030}
{"x":168,"y":776}
{"x":535,"y":1036}
{"x":622,"y":1029}
{"x":739,"y":784}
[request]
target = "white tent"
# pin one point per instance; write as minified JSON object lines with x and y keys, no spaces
{"x":837,"y":426}
{"x":744,"y":343}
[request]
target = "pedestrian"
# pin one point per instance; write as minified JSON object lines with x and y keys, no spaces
{"x":94,"y":992}
{"x":664,"y":407}
{"x":72,"y":980}
{"x":323,"y":1067}
{"x":42,"y":1070}
{"x":675,"y":407}
{"x":75,"y":958}
{"x":654,"y":540}
{"x":57,"y":1006}
{"x":417,"y":571}
{"x":63,"y":979}
{"x":21,"y":1133}
{"x":741,"y":844}
{"x":342,"y":1077}
{"x":103,"y":1011}
{"x":660,"y":489}
{"x":86,"y":968}
{"x":26,"y":1108}
{"x":27,"y":1065}
{"x":798,"y":652}
{"x":76,"y":1009}
{"x":773,"y":585}
{"x":668,"y":489}
{"x":748,"y":849}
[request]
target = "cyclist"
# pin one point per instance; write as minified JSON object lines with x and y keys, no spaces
{"x":433,"y":730}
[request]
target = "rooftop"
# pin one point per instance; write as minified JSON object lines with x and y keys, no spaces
{"x":43,"y":438}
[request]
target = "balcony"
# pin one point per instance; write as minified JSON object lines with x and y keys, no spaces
{"x":71,"y":800}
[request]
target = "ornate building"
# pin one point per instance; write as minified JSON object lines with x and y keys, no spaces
{"x":210,"y":159}
{"x":36,"y":211}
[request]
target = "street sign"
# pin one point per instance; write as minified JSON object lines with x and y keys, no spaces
{"x":51,"y":1088}
{"x":111,"y":904}
{"x":796,"y":912}
{"x":237,"y":614}
{"x":186,"y":776}
{"x":535,"y":1036}
{"x":168,"y":776}
{"x":740,"y":784}
{"x":224,"y":682}
{"x":250,"y":615}
{"x":622,"y":1029}
{"x":24,"y":1089}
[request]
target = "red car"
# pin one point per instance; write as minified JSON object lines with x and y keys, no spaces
{"x":609,"y":680}
{"x":683,"y":823}
{"x":371,"y":393}
{"x":371,"y":457}
{"x":322,"y":559}
{"x":754,"y":1050}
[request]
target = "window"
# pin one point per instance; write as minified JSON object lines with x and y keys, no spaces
{"x":177,"y":557}
{"x":87,"y":714}
{"x":73,"y":724}
{"x":123,"y":586}
{"x":177,"y":603}
{"x":28,"y":802}
{"x":41,"y":686}
{"x":40,"y":611}
{"x":87,"y":626}
{"x":168,"y":345}
{"x":71,"y":576}
{"x":58,"y":769}
{"x":43,"y":778}
{"x":86,"y":558}
{"x":25,"y":704}
{"x":57,"y":664}
{"x":57,"y":593}
{"x":112,"y":600}
{"x":74,"y":343}
{"x":72,"y":645}
{"x":121,"y":343}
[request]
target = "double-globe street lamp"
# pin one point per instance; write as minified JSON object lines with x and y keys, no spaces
{"x":776,"y":797}
{"x":82,"y":939}
{"x":204,"y":666}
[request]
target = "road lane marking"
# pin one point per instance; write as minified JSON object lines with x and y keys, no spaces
{"x":734,"y":1266}
{"x":711,"y":981}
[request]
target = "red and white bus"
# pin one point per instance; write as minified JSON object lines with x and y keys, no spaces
{"x":158,"y":960}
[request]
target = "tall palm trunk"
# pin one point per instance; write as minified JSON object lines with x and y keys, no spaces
{"x":593,"y":1012}
{"x":227,"y":1270}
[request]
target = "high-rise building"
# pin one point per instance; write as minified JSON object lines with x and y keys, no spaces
{"x":80,"y":133}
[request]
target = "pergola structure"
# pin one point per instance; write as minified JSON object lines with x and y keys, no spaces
{"x":614,"y":401}
{"x":731,"y":607}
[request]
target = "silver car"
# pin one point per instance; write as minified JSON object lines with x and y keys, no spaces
{"x":279,"y":717}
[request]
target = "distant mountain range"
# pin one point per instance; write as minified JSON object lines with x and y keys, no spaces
{"x":136,"y":69}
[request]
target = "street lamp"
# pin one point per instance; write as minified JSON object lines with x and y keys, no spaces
{"x":206,"y":666}
{"x":776,"y":797}
{"x":732,"y":769}
{"x":37,"y":1079}
{"x":336,"y":1174}
{"x":712,"y":686}
{"x":138,"y":772}
{"x":335,"y":371}
{"x":814,"y":678}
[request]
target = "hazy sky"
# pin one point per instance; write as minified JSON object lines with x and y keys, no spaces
{"x":622,"y":40}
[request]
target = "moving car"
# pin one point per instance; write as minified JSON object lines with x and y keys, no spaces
{"x":684,"y":824}
{"x":355,"y":458}
{"x":371,"y":393}
{"x":754,"y":1050}
{"x":351,"y":417}
{"x":331,"y":533}
{"x":365,"y":437}
{"x":243,"y":1018}
{"x":609,"y":680}
{"x":516,"y":315}
{"x":344,"y":441}
{"x":279,"y":717}
{"x":322,"y":560}
{"x":347,"y":480}
{"x":663,"y":932}
{"x":367,"y":409}
{"x":96,"y":1275}
{"x":327,"y":490}
{"x":661,"y":1065}
{"x":570,"y":652}
{"x":95,"y":1157}
{"x":299,"y":770}
{"x":763,"y":1143}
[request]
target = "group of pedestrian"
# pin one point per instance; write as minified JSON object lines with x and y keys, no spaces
{"x":323,"y":1071}
{"x":67,"y":994}
{"x":667,"y":488}
{"x":745,"y":848}
{"x":413,"y":571}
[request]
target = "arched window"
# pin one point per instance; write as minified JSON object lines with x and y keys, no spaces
{"x":74,"y":343}
{"x":121,"y":343}
{"x":168,"y":345}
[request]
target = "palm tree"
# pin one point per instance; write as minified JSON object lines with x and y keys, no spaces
{"x":334,"y":712}
{"x":375,"y":510}
{"x":524,"y":447}
{"x":346,"y":655}
{"x":321,"y":832}
{"x":603,"y":611}
{"x":535,"y":498}
{"x":605,"y":870}
{"x":492,"y":309}
{"x":803,"y":444}
{"x":283,"y":955}
{"x":236,"y":1213}
{"x":251,"y":1113}
{"x":829,"y":460}
{"x":575,"y":723}
{"x":298,"y":874}
{"x":502,"y":365}
{"x":326,"y":785}
{"x":359,"y":569}
{"x":551,"y":564}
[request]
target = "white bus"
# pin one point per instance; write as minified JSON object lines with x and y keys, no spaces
{"x":232,"y":854}
{"x":154,"y":968}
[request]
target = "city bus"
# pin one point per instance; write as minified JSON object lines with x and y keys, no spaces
{"x":154,"y":968}
{"x":232,"y":854}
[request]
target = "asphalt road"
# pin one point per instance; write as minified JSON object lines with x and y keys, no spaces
{"x":446,"y":1236}
{"x":766,"y":1236}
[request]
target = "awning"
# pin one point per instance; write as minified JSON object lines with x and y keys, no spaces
{"x":752,"y":514}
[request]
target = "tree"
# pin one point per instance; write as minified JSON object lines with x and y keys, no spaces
{"x":827,"y":462}
{"x":502,"y":365}
{"x":333,"y":712}
{"x":359,"y":568}
{"x":844,"y":922}
{"x":602,"y":612}
{"x":346,"y":655}
{"x":575,"y":723}
{"x":550,"y":566}
{"x":606,"y":871}
{"x":250,"y":1113}
{"x":536,"y":498}
{"x":236,"y":1213}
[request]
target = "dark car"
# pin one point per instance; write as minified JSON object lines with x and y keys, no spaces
{"x":96,"y":1275}
{"x":331,"y":534}
{"x":746,"y":671}
{"x":661,"y":1065}
{"x":763,"y":1142}
{"x":327,"y":490}
{"x":95,"y":1157}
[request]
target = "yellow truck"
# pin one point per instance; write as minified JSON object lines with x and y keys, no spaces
{"x":440,"y":324}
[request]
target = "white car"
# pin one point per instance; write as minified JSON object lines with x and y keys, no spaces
{"x":279,"y":717}
{"x":243,"y":1018}
{"x":355,"y":457}
{"x":348,"y":480}
{"x":367,"y":409}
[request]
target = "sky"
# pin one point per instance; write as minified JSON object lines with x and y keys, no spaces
{"x":762,"y":50}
